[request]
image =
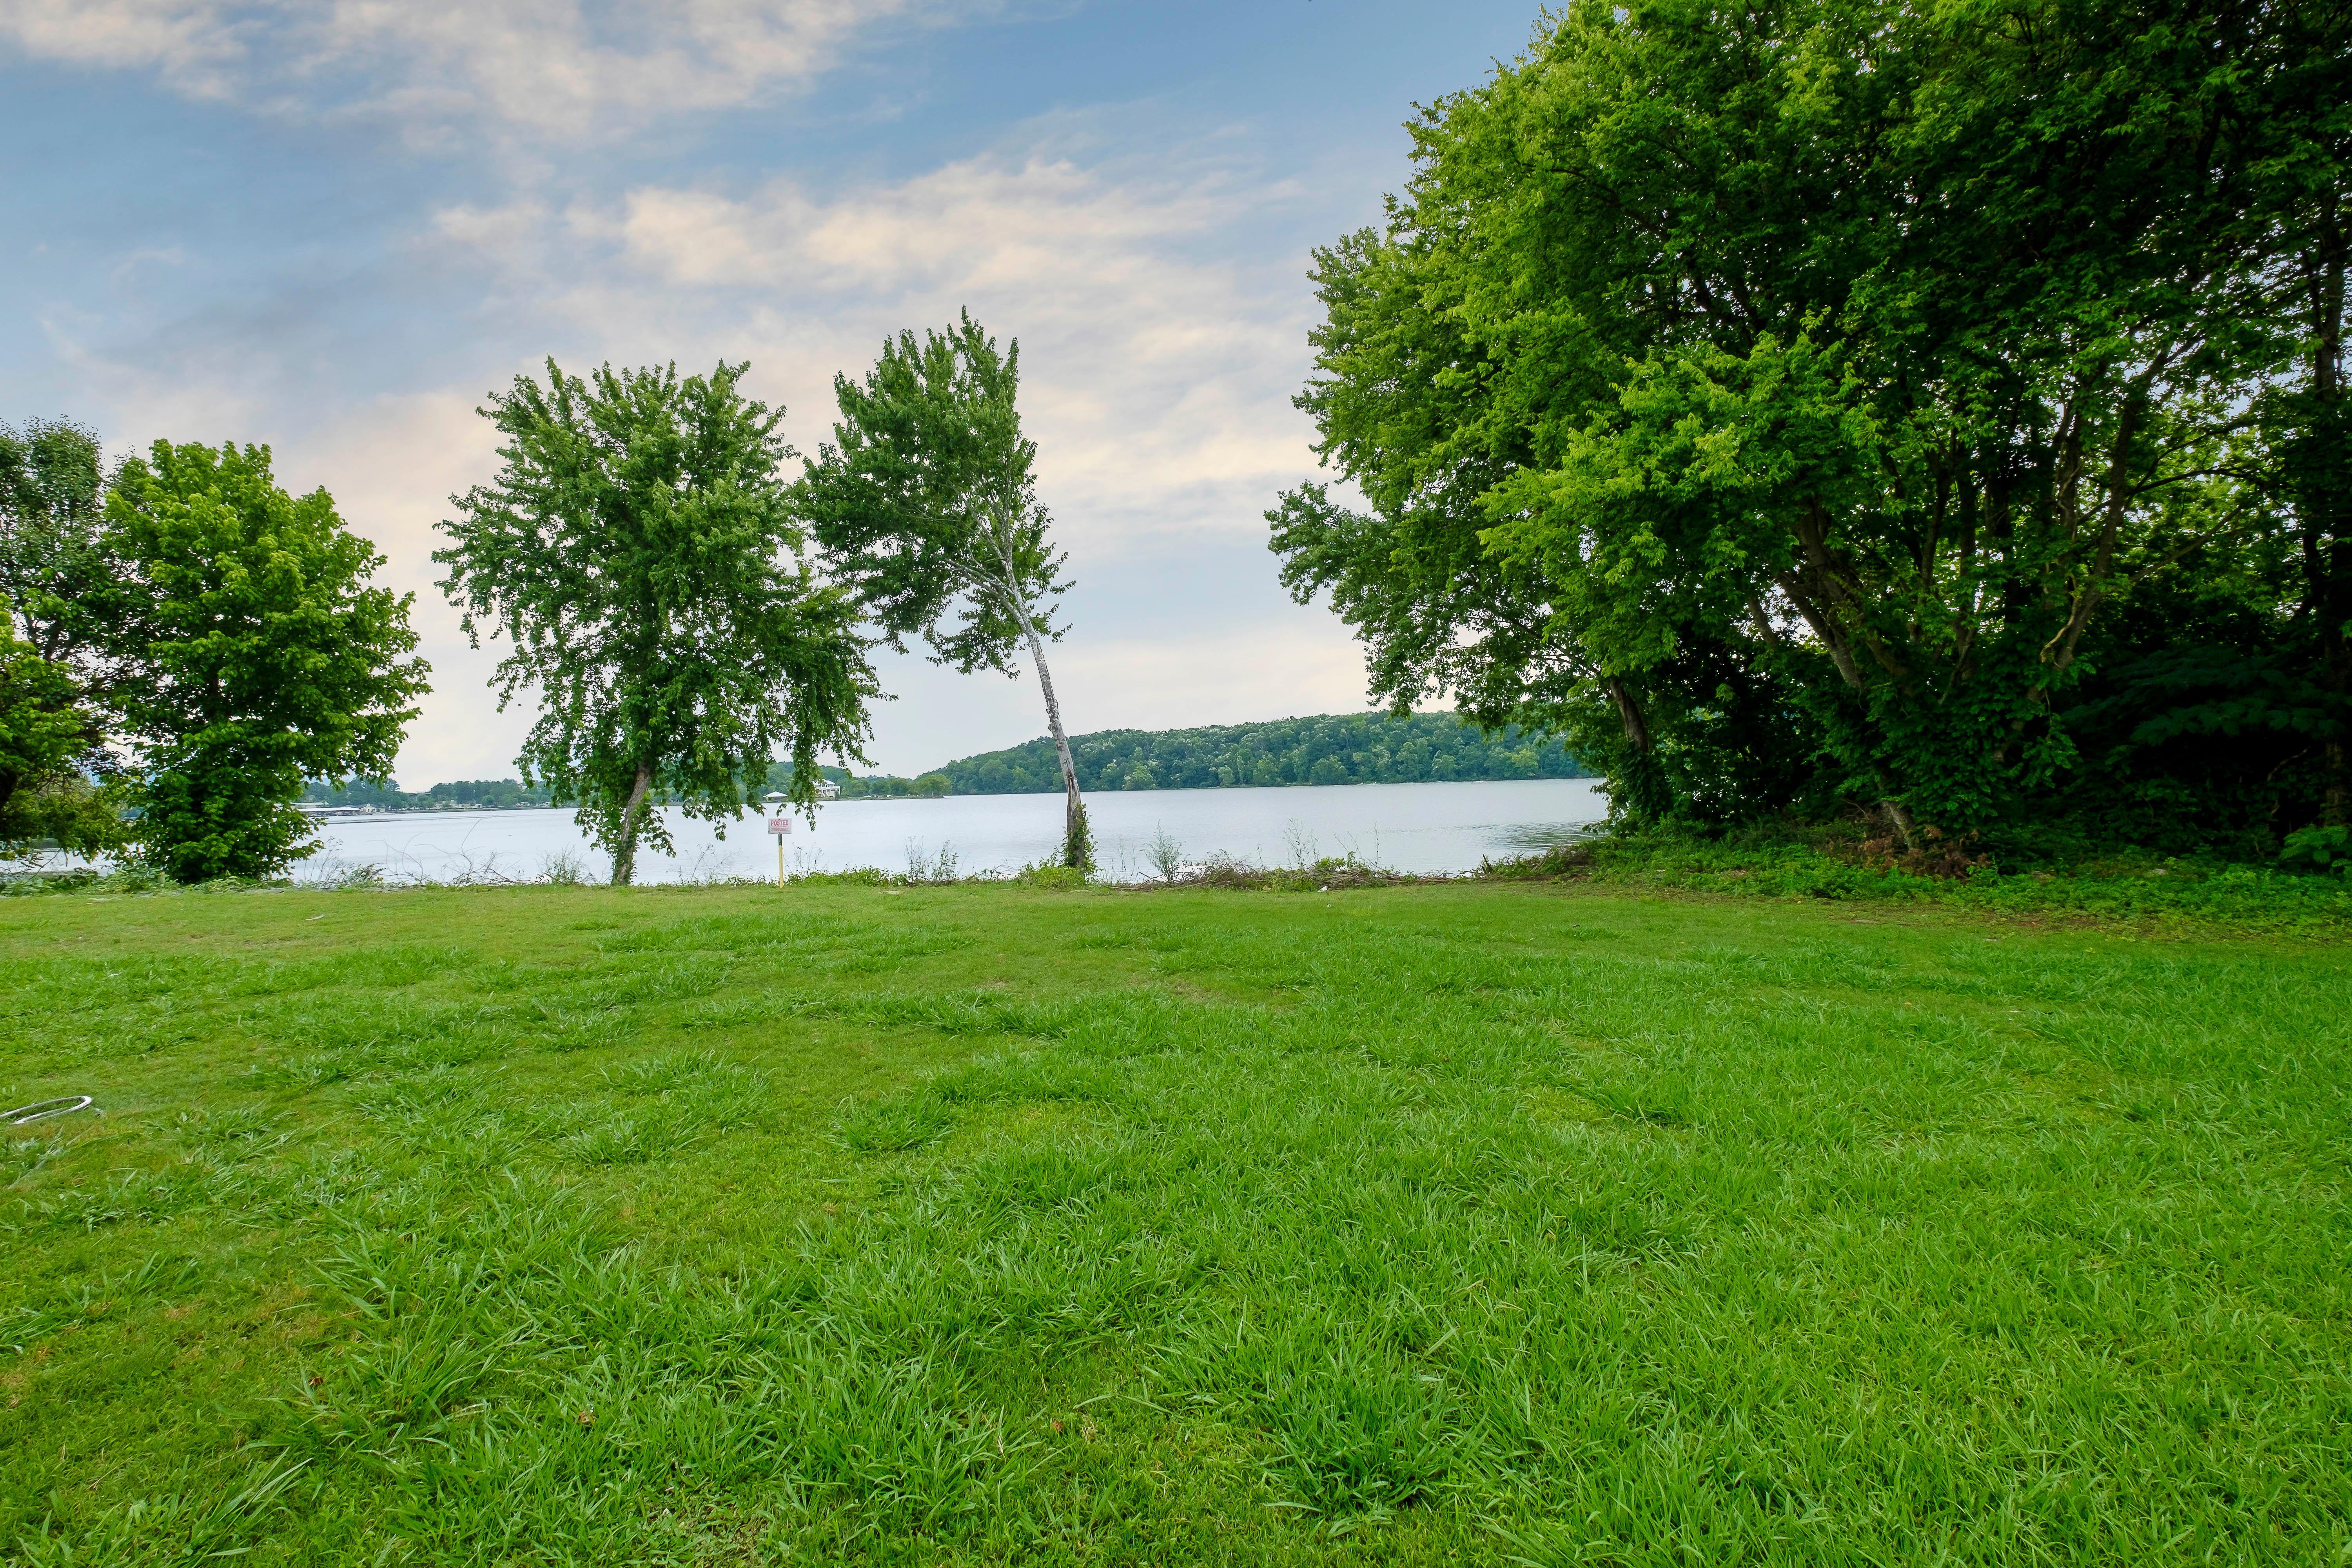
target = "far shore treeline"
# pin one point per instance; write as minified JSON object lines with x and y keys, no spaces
{"x":455,"y":795}
{"x":1330,"y":749}
{"x":1325,"y":749}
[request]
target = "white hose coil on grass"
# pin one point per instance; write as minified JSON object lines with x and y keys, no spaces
{"x":41,"y":1110}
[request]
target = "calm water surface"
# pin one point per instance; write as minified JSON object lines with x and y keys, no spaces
{"x":1420,"y":828}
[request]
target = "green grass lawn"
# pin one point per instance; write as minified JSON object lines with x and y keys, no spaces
{"x":1469,"y":1223}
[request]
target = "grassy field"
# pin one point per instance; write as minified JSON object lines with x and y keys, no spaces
{"x":1471,"y":1223}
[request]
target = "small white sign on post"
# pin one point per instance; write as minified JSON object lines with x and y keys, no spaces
{"x":780,"y":823}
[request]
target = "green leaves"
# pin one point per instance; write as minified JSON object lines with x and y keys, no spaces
{"x":927,"y":508}
{"x":926,"y":502}
{"x":47,"y":735}
{"x":51,"y":555}
{"x":637,"y":553}
{"x":193,"y":615}
{"x":1861,"y":360}
{"x":262,"y":655}
{"x":2320,"y":849}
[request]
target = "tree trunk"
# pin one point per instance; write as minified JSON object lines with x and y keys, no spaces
{"x":1840,"y":655}
{"x":624,"y":852}
{"x":1629,"y":713}
{"x":1077,"y":844}
{"x":1077,"y":848}
{"x":2326,"y":505}
{"x":1647,"y":794}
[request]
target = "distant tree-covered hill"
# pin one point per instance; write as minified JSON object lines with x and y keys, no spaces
{"x":1330,"y":749}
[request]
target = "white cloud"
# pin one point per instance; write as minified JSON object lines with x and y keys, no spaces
{"x":1032,"y":224}
{"x":1162,"y":320}
{"x":1284,"y":666}
{"x":1156,"y":369}
{"x":189,"y":40}
{"x":563,"y":67}
{"x":1162,"y":338}
{"x":206,"y":400}
{"x":127,"y":269}
{"x":507,"y":230}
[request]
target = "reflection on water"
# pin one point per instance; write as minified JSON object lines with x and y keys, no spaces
{"x":1425,"y":828}
{"x":1535,"y":838}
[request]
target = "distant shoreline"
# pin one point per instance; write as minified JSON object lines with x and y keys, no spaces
{"x":345,"y":813}
{"x":1314,"y":751}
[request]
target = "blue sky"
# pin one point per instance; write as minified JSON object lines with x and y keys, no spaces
{"x":330,"y":226}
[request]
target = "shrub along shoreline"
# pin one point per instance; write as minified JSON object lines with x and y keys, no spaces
{"x":2206,"y":896}
{"x":2203,"y":897}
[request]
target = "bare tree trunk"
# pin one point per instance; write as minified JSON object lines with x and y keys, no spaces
{"x":2094,"y":587}
{"x":2325,"y":505}
{"x":1840,"y":655}
{"x":624,"y":853}
{"x":1075,"y":846}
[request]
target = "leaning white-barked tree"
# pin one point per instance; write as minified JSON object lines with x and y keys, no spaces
{"x":926,"y":505}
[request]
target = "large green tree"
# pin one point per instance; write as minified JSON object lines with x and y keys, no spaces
{"x":926,"y":504}
{"x":639,"y":553}
{"x":1787,"y":399}
{"x":2298,"y":87}
{"x":48,"y":748}
{"x":54,"y":560}
{"x":263,"y":654}
{"x":56,"y":569}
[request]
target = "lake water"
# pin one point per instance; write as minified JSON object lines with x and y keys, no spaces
{"x":1416,"y":827}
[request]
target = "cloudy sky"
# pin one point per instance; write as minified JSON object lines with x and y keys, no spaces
{"x":331,"y":226}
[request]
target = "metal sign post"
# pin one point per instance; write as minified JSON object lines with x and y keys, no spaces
{"x":779,"y":824}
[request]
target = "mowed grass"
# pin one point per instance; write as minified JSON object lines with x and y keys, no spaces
{"x":988,"y":1226}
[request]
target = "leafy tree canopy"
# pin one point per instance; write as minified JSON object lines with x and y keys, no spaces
{"x":926,"y":504}
{"x":53,"y":565}
{"x":48,"y":744}
{"x":925,"y":501}
{"x":637,"y":553}
{"x":264,"y":656}
{"x":1792,"y":402}
{"x":52,"y":554}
